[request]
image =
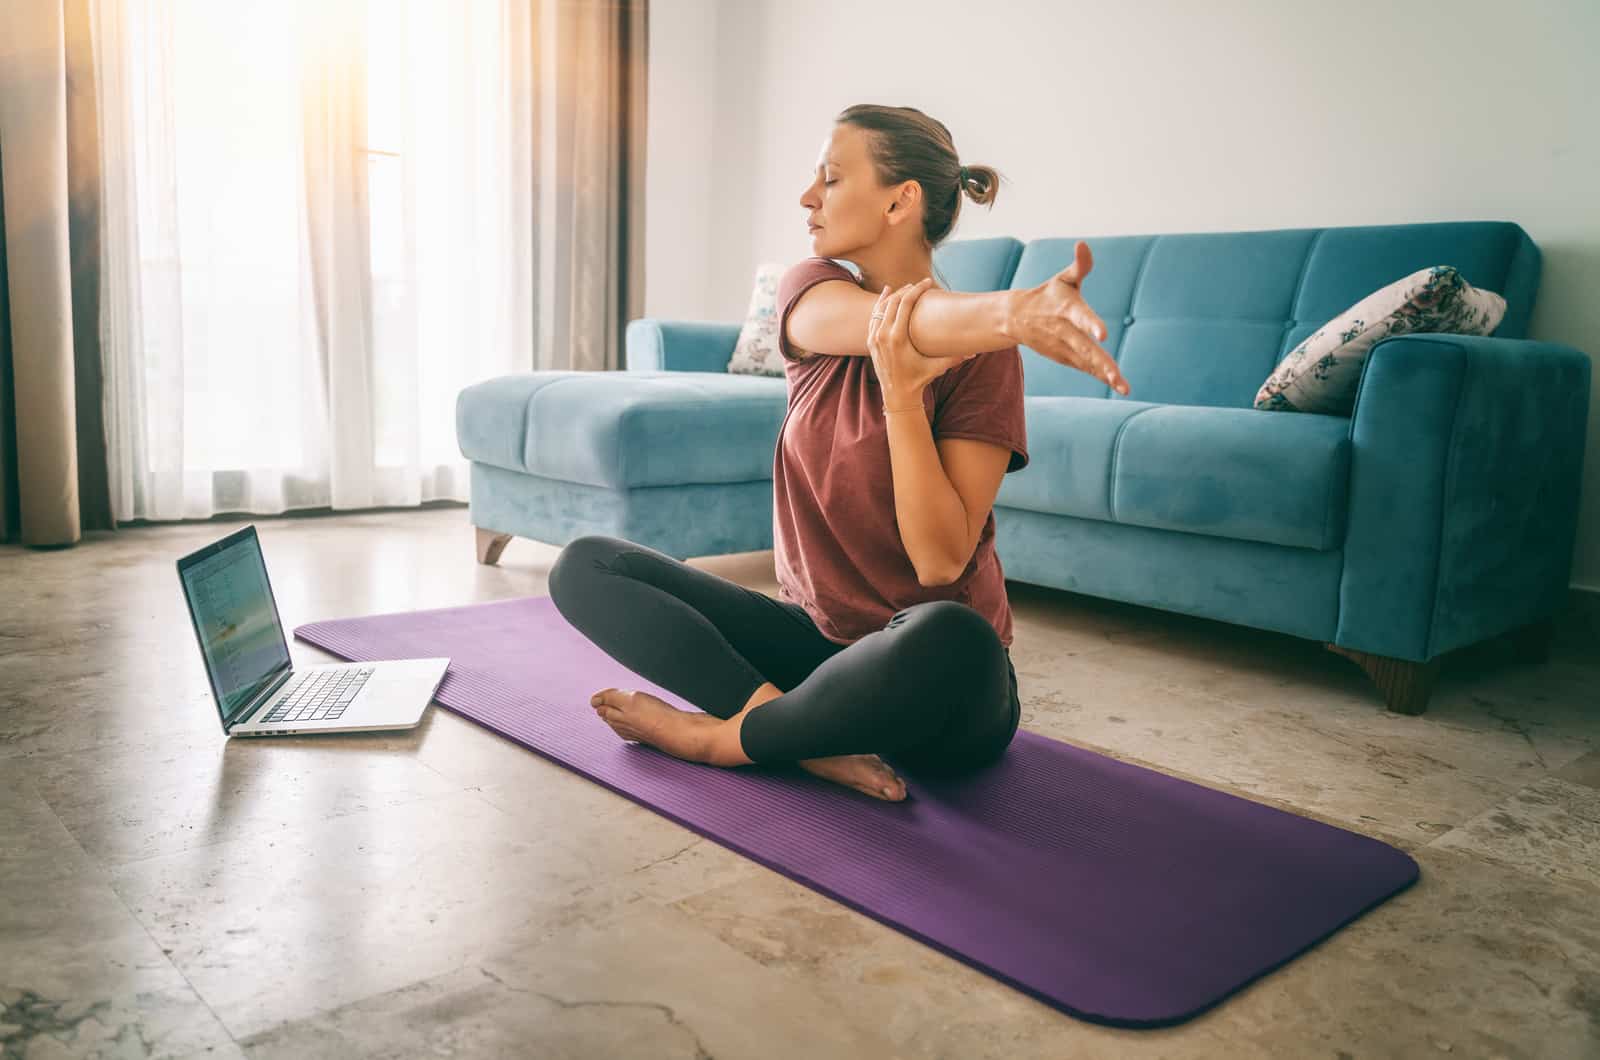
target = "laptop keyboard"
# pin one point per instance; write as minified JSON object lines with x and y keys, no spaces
{"x":324,"y":694}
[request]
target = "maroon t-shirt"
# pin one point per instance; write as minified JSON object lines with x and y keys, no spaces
{"x":836,"y":537}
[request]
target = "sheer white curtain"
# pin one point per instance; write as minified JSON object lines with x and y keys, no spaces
{"x":317,"y":224}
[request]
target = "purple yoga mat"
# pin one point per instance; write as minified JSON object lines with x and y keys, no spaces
{"x":1113,"y":892}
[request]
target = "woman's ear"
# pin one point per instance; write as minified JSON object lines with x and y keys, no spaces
{"x":907,"y":196}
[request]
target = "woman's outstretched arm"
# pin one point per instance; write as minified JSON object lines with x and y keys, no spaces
{"x":1051,"y":318}
{"x":832,"y":318}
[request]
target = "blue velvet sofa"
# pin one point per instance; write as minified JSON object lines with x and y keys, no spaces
{"x":1441,"y":513}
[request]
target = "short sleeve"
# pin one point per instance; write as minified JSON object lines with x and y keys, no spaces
{"x":796,"y":281}
{"x":982,"y":399}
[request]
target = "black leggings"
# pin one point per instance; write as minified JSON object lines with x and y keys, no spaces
{"x":934,"y":690}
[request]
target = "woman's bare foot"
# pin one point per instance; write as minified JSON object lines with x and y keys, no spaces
{"x":866,"y":773}
{"x":635,"y":715}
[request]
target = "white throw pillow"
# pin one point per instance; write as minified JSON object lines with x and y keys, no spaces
{"x":1321,"y":374}
{"x":756,"y":352}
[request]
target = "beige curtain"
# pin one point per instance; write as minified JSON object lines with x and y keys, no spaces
{"x":53,"y":482}
{"x":585,"y":114}
{"x":588,"y":160}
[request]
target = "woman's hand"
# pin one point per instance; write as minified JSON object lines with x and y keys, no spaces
{"x":903,"y":371}
{"x":1054,"y":319}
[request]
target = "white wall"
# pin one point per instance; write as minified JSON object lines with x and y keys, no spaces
{"x":1144,"y":117}
{"x":676,"y":205}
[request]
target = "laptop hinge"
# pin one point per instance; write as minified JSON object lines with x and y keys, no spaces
{"x":260,"y":698}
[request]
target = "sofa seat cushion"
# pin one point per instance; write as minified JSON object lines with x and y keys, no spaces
{"x":1225,"y":472}
{"x":1238,"y":473}
{"x":1069,"y":455}
{"x":625,"y":429}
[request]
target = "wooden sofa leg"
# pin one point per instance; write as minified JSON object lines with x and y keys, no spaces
{"x":490,"y":545}
{"x":1406,"y":685}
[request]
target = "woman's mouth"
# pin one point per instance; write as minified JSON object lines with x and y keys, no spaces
{"x":813,"y":228}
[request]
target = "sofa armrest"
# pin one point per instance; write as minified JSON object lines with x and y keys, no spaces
{"x":1465,"y":469}
{"x":679,"y":345}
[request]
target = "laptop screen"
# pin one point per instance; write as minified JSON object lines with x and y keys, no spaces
{"x":234,"y":617}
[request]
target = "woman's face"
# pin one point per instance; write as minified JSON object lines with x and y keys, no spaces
{"x":845,"y":205}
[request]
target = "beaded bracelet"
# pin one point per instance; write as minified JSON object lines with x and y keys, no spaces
{"x":911,"y":408}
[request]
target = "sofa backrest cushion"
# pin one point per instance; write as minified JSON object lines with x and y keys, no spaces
{"x":977,"y":264}
{"x":1204,"y":318}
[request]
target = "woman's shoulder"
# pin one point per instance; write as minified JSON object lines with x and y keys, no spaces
{"x":796,"y":280}
{"x":800,"y":277}
{"x":812,"y":268}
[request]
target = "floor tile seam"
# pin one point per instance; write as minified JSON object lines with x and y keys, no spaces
{"x":1165,"y":769}
{"x":250,"y":1037}
{"x":318,"y":1016}
{"x":1350,"y":727}
{"x":1162,"y":767}
{"x":1275,"y":802}
{"x":120,"y":864}
{"x":1585,"y":891}
{"x":167,"y":957}
{"x":1165,"y":684}
{"x":105,"y":879}
{"x":1513,"y":793}
{"x":617,"y":921}
{"x":1378,"y":708}
{"x":1101,"y":641}
{"x":443,"y":776}
{"x":1349,"y":730}
{"x":319,"y":1013}
{"x":1473,"y":814}
{"x":481,"y":953}
{"x":1595,"y":786}
{"x":1220,"y":699}
{"x":31,"y":787}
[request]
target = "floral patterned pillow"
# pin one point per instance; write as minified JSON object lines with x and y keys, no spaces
{"x":756,"y":352}
{"x":1321,"y":374}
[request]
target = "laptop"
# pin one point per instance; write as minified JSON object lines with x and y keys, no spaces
{"x":258,"y":689}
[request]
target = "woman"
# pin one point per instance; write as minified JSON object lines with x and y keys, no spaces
{"x":893,"y":632}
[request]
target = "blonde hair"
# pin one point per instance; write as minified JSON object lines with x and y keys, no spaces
{"x":907,"y":144}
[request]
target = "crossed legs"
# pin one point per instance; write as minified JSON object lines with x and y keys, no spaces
{"x":934,"y":688}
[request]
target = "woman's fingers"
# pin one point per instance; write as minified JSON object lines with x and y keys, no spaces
{"x":891,"y":303}
{"x":893,"y":308}
{"x":876,"y":320}
{"x":1082,"y":264}
{"x":892,"y":317}
{"x":1107,"y":369}
{"x":1090,"y":324}
{"x":1082,"y":343}
{"x":1091,"y":358}
{"x":908,"y":301}
{"x":1083,"y":317}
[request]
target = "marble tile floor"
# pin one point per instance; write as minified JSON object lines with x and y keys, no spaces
{"x":444,"y":892}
